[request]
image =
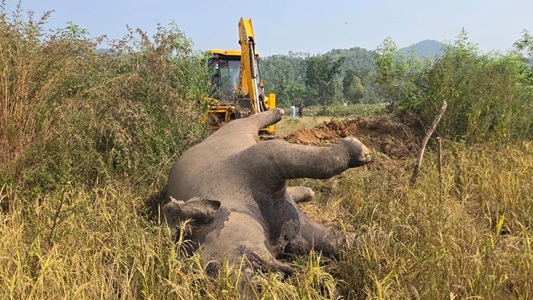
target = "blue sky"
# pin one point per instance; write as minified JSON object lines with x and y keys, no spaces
{"x":311,"y":26}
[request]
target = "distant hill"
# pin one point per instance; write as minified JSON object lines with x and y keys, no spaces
{"x":425,"y":48}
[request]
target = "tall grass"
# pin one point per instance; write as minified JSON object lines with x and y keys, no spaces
{"x":94,"y":244}
{"x":470,"y":239}
{"x":87,"y":136}
{"x":72,"y":113}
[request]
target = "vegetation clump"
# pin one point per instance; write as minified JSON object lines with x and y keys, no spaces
{"x":74,"y":113}
{"x":488,"y":95}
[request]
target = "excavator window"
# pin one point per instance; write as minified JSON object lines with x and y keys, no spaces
{"x":225,"y":76}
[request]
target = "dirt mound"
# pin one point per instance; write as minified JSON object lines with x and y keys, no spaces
{"x":381,"y":135}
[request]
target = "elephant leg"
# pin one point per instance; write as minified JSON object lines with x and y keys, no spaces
{"x":319,"y":237}
{"x":252,"y":124}
{"x":280,"y":160}
{"x":252,"y":261}
{"x":257,"y":262}
{"x":300,"y":193}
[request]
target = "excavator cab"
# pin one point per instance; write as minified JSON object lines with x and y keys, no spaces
{"x":237,"y":91}
{"x":225,"y":70}
{"x":224,"y":66}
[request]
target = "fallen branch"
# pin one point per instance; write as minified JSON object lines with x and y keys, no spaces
{"x":424,"y":143}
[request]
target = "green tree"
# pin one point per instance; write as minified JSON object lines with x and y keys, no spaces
{"x":524,"y":122}
{"x":322,"y":76}
{"x":398,"y":76}
{"x":361,"y":62}
{"x":488,"y":96}
{"x":482,"y":92}
{"x":352,"y":87}
{"x":284,"y":75}
{"x":525,"y":45}
{"x":392,"y":67}
{"x":291,"y":93}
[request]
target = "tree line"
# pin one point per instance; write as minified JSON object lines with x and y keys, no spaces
{"x":338,"y":77}
{"x":490,"y":95}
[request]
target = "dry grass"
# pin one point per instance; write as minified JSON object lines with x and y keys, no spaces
{"x":473,"y":242}
{"x":94,"y":244}
{"x":72,"y":221}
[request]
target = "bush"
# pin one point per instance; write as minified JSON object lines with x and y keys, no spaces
{"x":482,"y":94}
{"x":489,"y":96}
{"x":73,"y":113}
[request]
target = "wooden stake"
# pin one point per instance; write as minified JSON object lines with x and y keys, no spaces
{"x":439,"y":165}
{"x":424,"y":143}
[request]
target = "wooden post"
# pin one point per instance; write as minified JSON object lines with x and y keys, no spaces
{"x":439,"y":165}
{"x":424,"y":143}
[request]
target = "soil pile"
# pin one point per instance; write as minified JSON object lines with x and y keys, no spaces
{"x":381,"y":135}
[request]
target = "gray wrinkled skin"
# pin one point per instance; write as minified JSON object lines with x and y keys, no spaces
{"x":232,"y":189}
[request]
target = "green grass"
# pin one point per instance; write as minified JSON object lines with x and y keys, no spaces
{"x":317,"y":115}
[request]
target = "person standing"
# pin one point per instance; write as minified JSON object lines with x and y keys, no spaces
{"x":293,"y":110}
{"x":301,"y":109}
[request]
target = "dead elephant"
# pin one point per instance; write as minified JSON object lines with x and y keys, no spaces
{"x":232,"y":188}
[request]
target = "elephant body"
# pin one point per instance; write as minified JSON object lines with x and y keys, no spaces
{"x":232,"y":189}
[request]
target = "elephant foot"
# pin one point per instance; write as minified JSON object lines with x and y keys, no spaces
{"x":256,"y":263}
{"x":300,"y":193}
{"x":359,"y":153}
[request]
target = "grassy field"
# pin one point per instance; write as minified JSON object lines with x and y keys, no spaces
{"x":87,"y":139}
{"x":469,"y":237}
{"x":317,"y":115}
{"x":289,"y":125}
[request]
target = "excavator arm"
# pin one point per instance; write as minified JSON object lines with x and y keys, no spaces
{"x":250,"y":95}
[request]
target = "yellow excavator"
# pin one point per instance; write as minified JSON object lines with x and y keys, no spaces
{"x":238,"y":90}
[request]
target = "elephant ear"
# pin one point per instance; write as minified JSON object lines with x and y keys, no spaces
{"x":200,"y":211}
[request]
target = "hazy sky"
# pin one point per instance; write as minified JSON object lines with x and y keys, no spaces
{"x":311,"y":26}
